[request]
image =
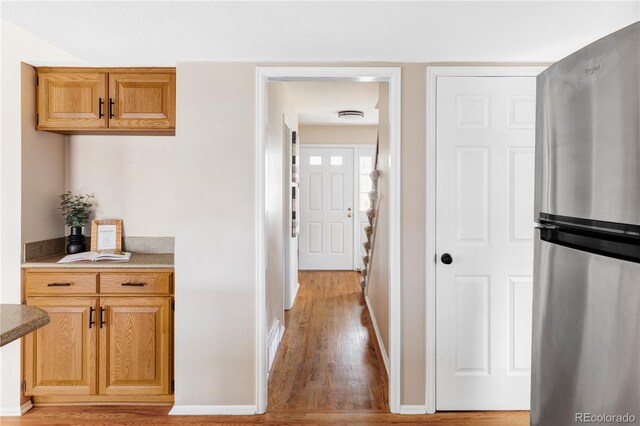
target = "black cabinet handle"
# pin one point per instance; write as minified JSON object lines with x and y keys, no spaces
{"x":110,"y":108}
{"x":446,"y":259}
{"x":91,"y":311}
{"x":132,"y":284}
{"x":102,"y":321}
{"x":100,"y":103}
{"x":59,"y":285}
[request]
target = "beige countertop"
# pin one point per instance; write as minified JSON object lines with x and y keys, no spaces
{"x":19,"y":320}
{"x":138,"y":260}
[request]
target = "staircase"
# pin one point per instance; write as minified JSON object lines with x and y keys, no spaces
{"x":370,"y":230}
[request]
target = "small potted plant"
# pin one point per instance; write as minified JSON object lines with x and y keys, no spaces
{"x":75,"y":209}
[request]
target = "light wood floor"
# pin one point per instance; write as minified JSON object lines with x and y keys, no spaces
{"x":328,"y":359}
{"x":328,"y":370}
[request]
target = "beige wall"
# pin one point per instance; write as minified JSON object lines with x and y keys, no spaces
{"x":378,"y":280}
{"x":215,"y":317}
{"x":42,"y":171}
{"x":223,"y":291}
{"x":19,"y":46}
{"x":280,"y":105}
{"x":338,"y":135}
{"x":413,"y":217}
{"x":133,"y":178}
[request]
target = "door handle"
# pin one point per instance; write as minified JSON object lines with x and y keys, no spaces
{"x":447,"y":259}
{"x":100,"y":103}
{"x":91,"y":311}
{"x":349,"y":212}
{"x":110,"y":108}
{"x":102,"y":321}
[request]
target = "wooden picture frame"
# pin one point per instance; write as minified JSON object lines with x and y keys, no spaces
{"x":106,"y":236}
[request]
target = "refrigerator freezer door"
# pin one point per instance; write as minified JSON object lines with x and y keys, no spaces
{"x":586,"y":336}
{"x":588,"y":132}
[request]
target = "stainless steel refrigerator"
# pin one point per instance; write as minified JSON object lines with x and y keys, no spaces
{"x":586,"y":299}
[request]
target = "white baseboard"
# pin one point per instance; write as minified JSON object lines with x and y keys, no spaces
{"x":15,"y":412}
{"x":273,"y":341}
{"x":413,"y":409}
{"x":213,"y":410}
{"x":385,"y":357}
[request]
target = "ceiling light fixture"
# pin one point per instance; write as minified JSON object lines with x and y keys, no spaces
{"x":350,"y":114}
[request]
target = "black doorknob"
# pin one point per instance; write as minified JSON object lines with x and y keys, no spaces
{"x":446,"y":259}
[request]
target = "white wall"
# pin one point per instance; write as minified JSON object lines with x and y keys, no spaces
{"x":378,"y":280}
{"x":338,"y":134}
{"x":215,"y":317}
{"x":132,"y":178}
{"x":19,"y":46}
{"x":280,"y":104}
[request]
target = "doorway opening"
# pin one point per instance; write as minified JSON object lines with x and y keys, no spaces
{"x":315,"y":206}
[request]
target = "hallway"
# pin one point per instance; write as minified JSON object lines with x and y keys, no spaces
{"x":328,"y":359}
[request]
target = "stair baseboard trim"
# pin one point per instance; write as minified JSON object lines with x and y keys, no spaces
{"x":385,"y":357}
{"x":213,"y":410}
{"x":413,"y":409}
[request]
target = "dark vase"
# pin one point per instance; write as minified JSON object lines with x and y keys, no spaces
{"x":76,"y":241}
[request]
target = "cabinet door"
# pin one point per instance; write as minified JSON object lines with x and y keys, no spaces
{"x":142,"y":100}
{"x":134,"y":346}
{"x":72,"y":100}
{"x":60,"y":358}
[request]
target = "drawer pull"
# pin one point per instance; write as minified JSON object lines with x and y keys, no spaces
{"x":132,"y":284}
{"x":59,"y":285}
{"x":91,"y":311}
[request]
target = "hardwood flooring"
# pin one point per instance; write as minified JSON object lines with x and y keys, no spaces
{"x":328,"y":359}
{"x":328,"y":370}
{"x":132,"y":416}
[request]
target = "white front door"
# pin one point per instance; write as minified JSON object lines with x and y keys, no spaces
{"x":326,"y":208}
{"x":484,"y":221}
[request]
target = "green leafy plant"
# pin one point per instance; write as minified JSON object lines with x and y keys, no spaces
{"x":75,"y":208}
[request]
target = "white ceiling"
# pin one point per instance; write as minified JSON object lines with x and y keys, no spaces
{"x":318,"y":102}
{"x":141,"y":33}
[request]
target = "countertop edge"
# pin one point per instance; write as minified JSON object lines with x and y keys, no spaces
{"x":138,"y":261}
{"x":25,"y":328}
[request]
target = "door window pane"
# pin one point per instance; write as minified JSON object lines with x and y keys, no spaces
{"x":315,"y":160}
{"x":336,"y":160}
{"x":366,"y":164}
{"x":365,"y":183}
{"x":364,"y":201}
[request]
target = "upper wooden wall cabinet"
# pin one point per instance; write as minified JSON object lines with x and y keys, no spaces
{"x":106,"y":100}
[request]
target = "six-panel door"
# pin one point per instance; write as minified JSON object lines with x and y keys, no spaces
{"x":134,"y":345}
{"x":72,"y":100}
{"x":60,"y":358}
{"x":142,"y":100}
{"x":485,"y":169}
{"x":326,"y":208}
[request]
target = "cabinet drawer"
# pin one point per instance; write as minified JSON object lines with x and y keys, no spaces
{"x":60,"y":282}
{"x":135,"y":282}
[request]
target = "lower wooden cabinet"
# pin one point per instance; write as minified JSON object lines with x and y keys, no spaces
{"x":100,"y":347}
{"x":60,"y":358}
{"x":134,"y":346}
